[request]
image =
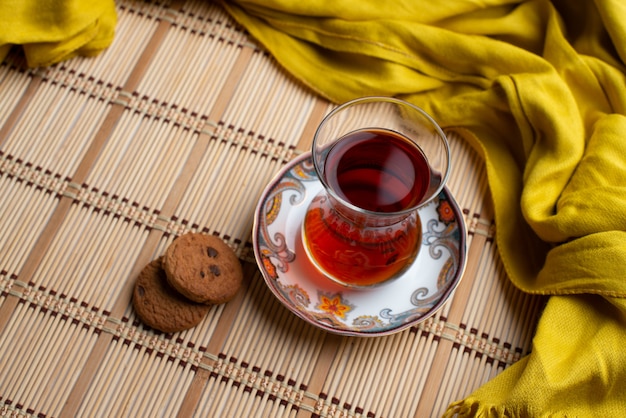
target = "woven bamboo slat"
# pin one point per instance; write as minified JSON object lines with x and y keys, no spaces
{"x":178,"y":127}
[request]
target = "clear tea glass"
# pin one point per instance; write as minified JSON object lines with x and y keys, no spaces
{"x":379,"y":159}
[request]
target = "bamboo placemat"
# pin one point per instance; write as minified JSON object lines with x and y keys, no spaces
{"x":178,"y":126}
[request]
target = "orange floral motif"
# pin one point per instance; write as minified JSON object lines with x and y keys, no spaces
{"x":334,"y":305}
{"x":445,"y":211}
{"x":269,"y":267}
{"x":272,"y":207}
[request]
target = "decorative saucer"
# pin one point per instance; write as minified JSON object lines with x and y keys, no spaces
{"x":381,"y":310}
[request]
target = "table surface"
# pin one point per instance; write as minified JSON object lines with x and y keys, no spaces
{"x":178,"y":127}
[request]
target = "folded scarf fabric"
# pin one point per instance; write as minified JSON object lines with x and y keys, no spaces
{"x":539,"y":88}
{"x":50,"y":31}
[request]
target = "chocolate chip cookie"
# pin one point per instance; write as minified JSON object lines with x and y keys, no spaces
{"x":203,"y":268}
{"x":160,"y":306}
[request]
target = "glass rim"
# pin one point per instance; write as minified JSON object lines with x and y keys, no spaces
{"x":394,"y":100}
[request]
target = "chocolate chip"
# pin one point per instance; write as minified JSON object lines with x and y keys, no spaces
{"x":212,"y":252}
{"x":141,"y":291}
{"x":202,"y":274}
{"x":215,"y":270}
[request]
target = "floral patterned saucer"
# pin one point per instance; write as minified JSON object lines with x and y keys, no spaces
{"x":375,"y":311}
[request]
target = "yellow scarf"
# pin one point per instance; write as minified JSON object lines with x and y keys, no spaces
{"x":539,"y":88}
{"x":50,"y":31}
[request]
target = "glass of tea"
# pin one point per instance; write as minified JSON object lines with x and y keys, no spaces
{"x":379,"y":160}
